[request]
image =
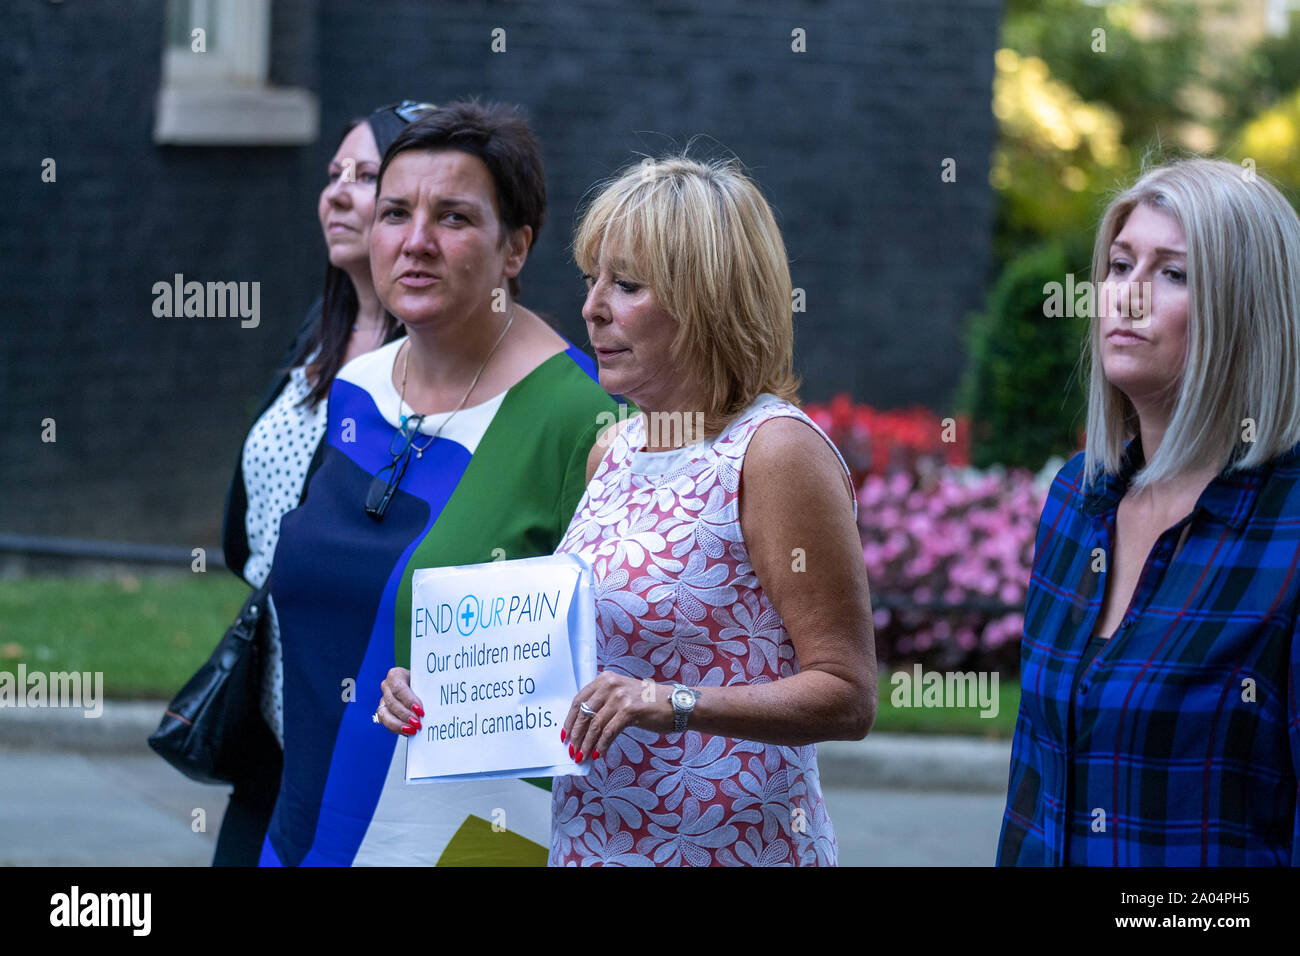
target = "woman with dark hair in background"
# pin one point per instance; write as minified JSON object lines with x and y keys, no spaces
{"x":282,"y":449}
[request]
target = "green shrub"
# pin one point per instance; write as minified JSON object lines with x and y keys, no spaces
{"x":1024,"y":387}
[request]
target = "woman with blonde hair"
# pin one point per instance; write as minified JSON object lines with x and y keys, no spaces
{"x":732,"y":611}
{"x":732,"y":604}
{"x":1160,"y":667}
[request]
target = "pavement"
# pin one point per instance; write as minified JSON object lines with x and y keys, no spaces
{"x":89,"y":792}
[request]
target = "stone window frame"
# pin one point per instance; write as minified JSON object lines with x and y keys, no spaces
{"x":222,"y":97}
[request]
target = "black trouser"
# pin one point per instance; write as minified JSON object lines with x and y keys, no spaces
{"x":243,"y":829}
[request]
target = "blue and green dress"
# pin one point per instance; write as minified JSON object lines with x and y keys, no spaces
{"x":501,"y":480}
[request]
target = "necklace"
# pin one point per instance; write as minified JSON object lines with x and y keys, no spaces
{"x":401,"y":398}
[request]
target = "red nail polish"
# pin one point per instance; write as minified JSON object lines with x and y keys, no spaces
{"x":418,"y":709}
{"x":595,"y":754}
{"x":408,"y":731}
{"x":414,"y":723}
{"x":579,"y":758}
{"x":570,"y":750}
{"x":563,"y":735}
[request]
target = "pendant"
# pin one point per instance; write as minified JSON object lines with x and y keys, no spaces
{"x":418,"y":453}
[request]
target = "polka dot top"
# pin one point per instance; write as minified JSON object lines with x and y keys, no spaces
{"x":277,"y":454}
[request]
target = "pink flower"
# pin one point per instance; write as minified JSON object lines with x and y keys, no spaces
{"x":920,"y":566}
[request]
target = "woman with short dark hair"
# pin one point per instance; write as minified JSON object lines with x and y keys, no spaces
{"x":461,"y":443}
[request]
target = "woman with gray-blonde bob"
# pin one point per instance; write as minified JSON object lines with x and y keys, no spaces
{"x":1160,"y":664}
{"x":1238,"y":397}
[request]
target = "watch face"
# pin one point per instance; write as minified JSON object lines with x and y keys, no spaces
{"x":683,"y":698}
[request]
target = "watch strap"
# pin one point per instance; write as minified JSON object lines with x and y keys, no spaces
{"x":682,"y":714}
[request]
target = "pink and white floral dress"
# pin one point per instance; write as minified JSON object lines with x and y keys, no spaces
{"x":677,"y":600}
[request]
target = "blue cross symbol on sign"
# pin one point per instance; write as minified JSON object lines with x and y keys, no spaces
{"x":466,"y":613}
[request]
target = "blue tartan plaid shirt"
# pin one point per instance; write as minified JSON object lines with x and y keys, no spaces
{"x":1185,"y":739}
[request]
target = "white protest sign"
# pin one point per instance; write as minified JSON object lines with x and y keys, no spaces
{"x":498,"y":651}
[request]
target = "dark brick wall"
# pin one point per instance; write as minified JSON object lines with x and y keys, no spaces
{"x":846,"y":139}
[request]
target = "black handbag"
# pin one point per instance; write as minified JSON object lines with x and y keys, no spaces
{"x":207,"y":729}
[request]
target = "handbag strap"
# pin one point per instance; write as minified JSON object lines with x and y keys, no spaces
{"x":253,"y":613}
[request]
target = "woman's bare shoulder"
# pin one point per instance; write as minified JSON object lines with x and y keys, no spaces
{"x":786,"y":451}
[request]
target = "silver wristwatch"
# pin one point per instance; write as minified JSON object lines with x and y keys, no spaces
{"x":683,"y":699}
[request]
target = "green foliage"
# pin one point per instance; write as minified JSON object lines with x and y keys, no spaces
{"x":1258,"y":79}
{"x":1140,"y":77}
{"x":1272,"y":142}
{"x":1056,"y":154}
{"x":147,"y":635}
{"x":1078,"y":109}
{"x":1023,"y":388}
{"x":1076,"y":120}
